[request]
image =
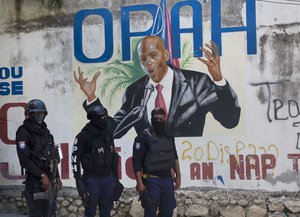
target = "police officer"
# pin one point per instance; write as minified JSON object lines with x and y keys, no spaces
{"x":154,"y":157}
{"x":94,"y":150}
{"x":37,"y":152}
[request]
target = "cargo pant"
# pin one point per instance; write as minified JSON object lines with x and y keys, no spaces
{"x":101,"y":193}
{"x":162,"y":196}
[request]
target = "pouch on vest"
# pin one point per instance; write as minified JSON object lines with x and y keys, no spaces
{"x":101,"y":152}
{"x":87,"y":162}
{"x":108,"y":157}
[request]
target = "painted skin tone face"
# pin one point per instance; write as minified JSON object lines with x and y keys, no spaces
{"x":153,"y":57}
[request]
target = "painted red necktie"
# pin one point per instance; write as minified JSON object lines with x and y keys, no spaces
{"x":159,"y":101}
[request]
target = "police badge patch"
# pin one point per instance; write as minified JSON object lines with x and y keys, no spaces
{"x":22,"y":144}
{"x":137,"y":145}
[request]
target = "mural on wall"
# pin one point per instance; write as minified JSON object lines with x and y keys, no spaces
{"x":241,"y":135}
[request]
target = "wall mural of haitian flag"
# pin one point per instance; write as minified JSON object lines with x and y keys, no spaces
{"x":230,"y":91}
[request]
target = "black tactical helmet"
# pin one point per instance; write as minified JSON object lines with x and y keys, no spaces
{"x":96,"y":110}
{"x":26,"y":110}
{"x":35,"y":105}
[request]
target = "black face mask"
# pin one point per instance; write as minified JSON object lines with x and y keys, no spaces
{"x":158,"y":126}
{"x":37,"y":117}
{"x":100,"y":121}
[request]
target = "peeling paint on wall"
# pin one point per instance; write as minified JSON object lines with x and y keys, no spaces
{"x":41,"y":41}
{"x":286,"y":177}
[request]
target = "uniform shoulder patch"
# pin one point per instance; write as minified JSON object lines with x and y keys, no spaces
{"x":22,"y":144}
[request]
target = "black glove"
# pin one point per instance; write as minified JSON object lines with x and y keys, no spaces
{"x":116,"y":158}
{"x":118,"y":190}
{"x":80,"y":188}
{"x":145,"y":200}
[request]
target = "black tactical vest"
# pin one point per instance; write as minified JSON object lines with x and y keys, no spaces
{"x":42,"y":150}
{"x":160,"y":153}
{"x":98,"y":153}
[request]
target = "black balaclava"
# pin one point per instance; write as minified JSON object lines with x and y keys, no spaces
{"x":99,"y":121}
{"x":98,"y":116}
{"x":158,"y":125}
{"x":37,"y":117}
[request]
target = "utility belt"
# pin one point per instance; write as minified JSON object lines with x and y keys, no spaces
{"x":146,"y":176}
{"x":99,"y":172}
{"x":157,"y":174}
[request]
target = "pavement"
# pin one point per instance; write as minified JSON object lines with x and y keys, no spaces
{"x":11,"y":215}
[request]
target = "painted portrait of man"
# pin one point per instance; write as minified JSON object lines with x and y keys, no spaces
{"x":187,"y":96}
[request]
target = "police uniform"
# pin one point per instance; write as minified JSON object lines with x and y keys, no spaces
{"x":155,"y":155}
{"x":94,"y":150}
{"x":35,"y":148}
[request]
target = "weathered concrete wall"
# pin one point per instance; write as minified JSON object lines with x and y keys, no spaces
{"x":190,"y":203}
{"x":39,"y":42}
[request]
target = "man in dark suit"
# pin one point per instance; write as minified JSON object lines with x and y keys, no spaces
{"x":186,"y":96}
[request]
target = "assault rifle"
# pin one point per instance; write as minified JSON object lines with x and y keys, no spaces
{"x":53,"y":188}
{"x":119,"y":186}
{"x":51,"y":192}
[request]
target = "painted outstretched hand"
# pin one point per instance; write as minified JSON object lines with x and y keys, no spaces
{"x":212,"y":60}
{"x":87,"y":87}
